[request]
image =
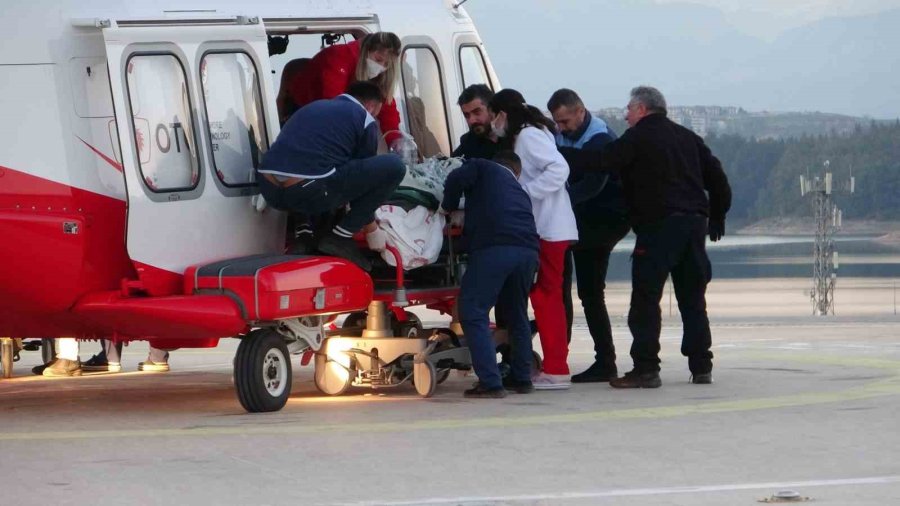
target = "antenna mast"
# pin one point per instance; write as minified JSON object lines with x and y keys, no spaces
{"x":828,"y":222}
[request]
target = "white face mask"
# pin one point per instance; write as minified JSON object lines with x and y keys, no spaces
{"x":499,"y":131}
{"x":373,"y":68}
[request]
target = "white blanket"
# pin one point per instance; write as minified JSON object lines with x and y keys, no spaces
{"x":417,"y":234}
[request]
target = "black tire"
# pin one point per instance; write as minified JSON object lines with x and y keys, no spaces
{"x":7,"y":357}
{"x":411,"y":328}
{"x":354,"y":324}
{"x":262,"y":372}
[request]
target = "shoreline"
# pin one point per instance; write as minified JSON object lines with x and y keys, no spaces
{"x":885,"y":231}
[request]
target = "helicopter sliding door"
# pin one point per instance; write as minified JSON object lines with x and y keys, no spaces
{"x":194,"y":117}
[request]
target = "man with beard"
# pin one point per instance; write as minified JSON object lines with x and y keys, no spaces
{"x":479,"y":141}
{"x":599,"y":206}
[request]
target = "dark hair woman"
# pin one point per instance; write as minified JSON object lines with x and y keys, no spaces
{"x":513,"y":114}
{"x":544,"y":173}
{"x":374,"y":58}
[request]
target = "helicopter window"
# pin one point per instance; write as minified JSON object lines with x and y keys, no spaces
{"x":472,"y":66}
{"x":234,"y":114}
{"x":163,"y":126}
{"x":425,"y":109}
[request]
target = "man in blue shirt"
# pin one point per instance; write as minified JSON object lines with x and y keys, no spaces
{"x":325,"y":158}
{"x":602,"y":219}
{"x":503,"y":256}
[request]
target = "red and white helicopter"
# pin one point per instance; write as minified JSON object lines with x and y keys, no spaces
{"x":126,"y":165}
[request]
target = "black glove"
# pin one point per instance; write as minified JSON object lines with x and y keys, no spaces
{"x":716,"y":229}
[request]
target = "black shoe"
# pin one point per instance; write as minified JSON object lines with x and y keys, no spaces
{"x":702,"y":379}
{"x":519,"y":387}
{"x":344,"y":247}
{"x":479,"y":392}
{"x":635,"y":379}
{"x":99,"y":363}
{"x":597,"y":373}
{"x":304,"y":244}
{"x":39,"y":369}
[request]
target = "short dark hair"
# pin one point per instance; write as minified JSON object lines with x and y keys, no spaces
{"x":564,"y":97}
{"x":365,"y":91}
{"x":480,"y":91}
{"x":509,"y":159}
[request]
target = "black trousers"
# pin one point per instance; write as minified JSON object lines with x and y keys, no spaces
{"x":676,"y":245}
{"x":590,"y":258}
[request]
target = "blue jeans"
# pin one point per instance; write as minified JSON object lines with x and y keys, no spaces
{"x":364,"y":183}
{"x":505,"y":274}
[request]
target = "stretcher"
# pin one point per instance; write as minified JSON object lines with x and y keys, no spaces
{"x":387,"y":346}
{"x":286,"y":305}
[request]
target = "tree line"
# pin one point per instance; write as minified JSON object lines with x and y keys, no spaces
{"x":765,"y":173}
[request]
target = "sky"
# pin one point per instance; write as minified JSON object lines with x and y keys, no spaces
{"x":769,"y":18}
{"x":837,"y":56}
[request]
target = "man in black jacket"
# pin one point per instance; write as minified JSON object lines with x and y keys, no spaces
{"x":666,"y":172}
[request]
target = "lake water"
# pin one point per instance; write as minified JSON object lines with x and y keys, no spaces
{"x":751,"y":256}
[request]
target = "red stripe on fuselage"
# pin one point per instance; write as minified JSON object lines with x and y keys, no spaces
{"x":116,"y":165}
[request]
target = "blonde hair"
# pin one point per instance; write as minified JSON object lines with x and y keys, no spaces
{"x":387,"y":80}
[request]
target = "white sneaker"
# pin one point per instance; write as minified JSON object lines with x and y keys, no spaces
{"x":544,"y":381}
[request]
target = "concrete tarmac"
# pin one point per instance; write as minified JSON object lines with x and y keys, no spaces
{"x":801,"y":403}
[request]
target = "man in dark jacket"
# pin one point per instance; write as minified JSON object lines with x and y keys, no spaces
{"x":602,"y":222}
{"x":503,"y":256}
{"x":666,"y":172}
{"x":324,"y":158}
{"x":479,"y":141}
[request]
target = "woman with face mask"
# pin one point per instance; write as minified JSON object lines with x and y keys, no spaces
{"x":372,"y":58}
{"x":544,"y":173}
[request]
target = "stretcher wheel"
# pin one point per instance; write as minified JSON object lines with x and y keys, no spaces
{"x":411,"y":328}
{"x":262,"y":371}
{"x":442,"y":375}
{"x":7,"y":354}
{"x":425,"y":378}
{"x":331,"y":378}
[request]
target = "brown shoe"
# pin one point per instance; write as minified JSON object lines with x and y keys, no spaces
{"x":634,"y":379}
{"x":151,"y":366}
{"x":63,"y":367}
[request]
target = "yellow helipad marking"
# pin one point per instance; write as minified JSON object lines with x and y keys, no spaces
{"x":879,"y":388}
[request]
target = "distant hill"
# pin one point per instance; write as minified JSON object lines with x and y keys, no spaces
{"x":602,"y":48}
{"x":764,"y":171}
